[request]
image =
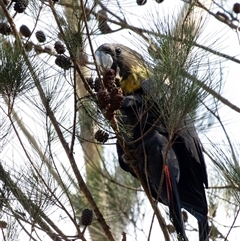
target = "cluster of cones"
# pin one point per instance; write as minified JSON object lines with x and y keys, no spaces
{"x":110,"y":98}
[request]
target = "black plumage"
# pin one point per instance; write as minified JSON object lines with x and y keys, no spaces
{"x":184,"y":163}
{"x":156,"y":152}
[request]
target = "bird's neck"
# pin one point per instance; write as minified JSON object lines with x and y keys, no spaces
{"x":132,"y":82}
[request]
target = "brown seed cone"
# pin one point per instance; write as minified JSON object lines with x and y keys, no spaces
{"x":109,"y":79}
{"x":20,"y":5}
{"x":25,"y":31}
{"x":63,"y":62}
{"x":103,"y":98}
{"x":236,"y":8}
{"x":41,"y":37}
{"x":116,"y":91}
{"x":5,"y":28}
{"x":116,"y":102}
{"x":59,"y":47}
{"x":110,"y":114}
{"x":87,"y":216}
{"x":101,"y":136}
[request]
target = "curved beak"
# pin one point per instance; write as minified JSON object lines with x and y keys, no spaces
{"x":104,"y":60}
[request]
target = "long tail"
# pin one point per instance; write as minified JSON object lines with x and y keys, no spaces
{"x":174,"y":203}
{"x":203,"y":230}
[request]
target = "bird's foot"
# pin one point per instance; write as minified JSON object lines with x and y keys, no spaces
{"x":128,"y":159}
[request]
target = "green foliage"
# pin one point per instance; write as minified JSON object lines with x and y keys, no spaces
{"x":14,"y":76}
{"x":225,"y":160}
{"x":176,"y":67}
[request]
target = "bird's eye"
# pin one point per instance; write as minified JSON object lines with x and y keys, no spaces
{"x":118,"y":51}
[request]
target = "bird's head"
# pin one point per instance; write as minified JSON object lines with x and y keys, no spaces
{"x":130,"y":65}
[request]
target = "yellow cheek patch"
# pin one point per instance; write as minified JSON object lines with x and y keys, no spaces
{"x":134,"y":79}
{"x":130,"y":84}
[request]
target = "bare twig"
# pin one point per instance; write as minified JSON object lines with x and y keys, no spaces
{"x":212,"y":92}
{"x":234,"y":221}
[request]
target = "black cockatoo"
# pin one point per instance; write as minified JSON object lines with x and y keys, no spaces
{"x":153,"y":149}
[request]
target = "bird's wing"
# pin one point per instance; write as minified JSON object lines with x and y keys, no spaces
{"x":191,"y":141}
{"x":187,"y":137}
